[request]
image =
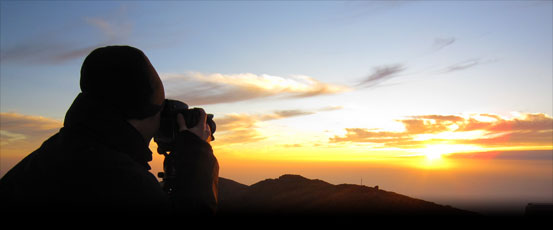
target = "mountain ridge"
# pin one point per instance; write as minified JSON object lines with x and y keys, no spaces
{"x":296,"y":195}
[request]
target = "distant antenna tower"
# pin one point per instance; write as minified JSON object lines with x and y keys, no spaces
{"x":361,"y":181}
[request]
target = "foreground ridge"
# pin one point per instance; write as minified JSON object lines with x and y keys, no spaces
{"x":297,"y":195}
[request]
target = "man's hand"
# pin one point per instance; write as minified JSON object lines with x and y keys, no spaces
{"x":201,"y":130}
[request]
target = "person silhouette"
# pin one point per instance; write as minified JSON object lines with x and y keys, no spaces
{"x":98,"y":161}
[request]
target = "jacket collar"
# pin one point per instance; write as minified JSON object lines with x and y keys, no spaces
{"x":108,"y":127}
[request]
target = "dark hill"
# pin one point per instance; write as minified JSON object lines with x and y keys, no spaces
{"x":297,"y":195}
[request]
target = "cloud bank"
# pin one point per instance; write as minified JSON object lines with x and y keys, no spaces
{"x":203,"y":89}
{"x":486,"y":130}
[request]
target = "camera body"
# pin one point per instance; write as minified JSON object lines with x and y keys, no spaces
{"x":166,"y":137}
{"x":169,"y":128}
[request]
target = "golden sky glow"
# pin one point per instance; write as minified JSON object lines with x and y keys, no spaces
{"x":460,"y":133}
{"x":247,"y":136}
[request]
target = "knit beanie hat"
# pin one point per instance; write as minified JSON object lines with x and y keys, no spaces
{"x":122,"y":78}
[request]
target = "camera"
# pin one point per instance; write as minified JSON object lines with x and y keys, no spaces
{"x":169,"y":128}
{"x":167,"y":135}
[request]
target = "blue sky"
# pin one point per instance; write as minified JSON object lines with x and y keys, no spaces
{"x":504,"y":45}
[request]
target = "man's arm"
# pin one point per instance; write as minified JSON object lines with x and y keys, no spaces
{"x":197,"y":170}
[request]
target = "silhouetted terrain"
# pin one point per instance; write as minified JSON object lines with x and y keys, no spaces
{"x":296,"y":195}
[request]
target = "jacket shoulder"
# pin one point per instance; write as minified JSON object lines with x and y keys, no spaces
{"x":82,"y":173}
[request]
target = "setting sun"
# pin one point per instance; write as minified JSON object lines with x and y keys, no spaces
{"x":435,"y":152}
{"x":434,"y":156}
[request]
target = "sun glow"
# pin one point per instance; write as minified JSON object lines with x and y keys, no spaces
{"x":434,"y":155}
{"x":435,"y":152}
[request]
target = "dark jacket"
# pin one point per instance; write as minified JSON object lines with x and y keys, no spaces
{"x":99,"y":162}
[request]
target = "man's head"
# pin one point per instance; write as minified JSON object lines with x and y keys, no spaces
{"x":124,"y":80}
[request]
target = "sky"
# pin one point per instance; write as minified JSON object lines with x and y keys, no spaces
{"x":449,"y":101}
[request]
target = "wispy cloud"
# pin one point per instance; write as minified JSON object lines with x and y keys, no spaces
{"x":113,"y":31}
{"x":55,"y":47}
{"x":463,"y":65}
{"x":440,"y":43}
{"x":202,"y":89}
{"x":467,"y":64}
{"x":356,"y":10}
{"x":43,"y":51}
{"x":478,"y":129}
{"x":381,"y":74}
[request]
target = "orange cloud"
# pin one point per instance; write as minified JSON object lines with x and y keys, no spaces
{"x":15,"y":128}
{"x":237,"y":128}
{"x":526,"y":130}
{"x":21,"y":134}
